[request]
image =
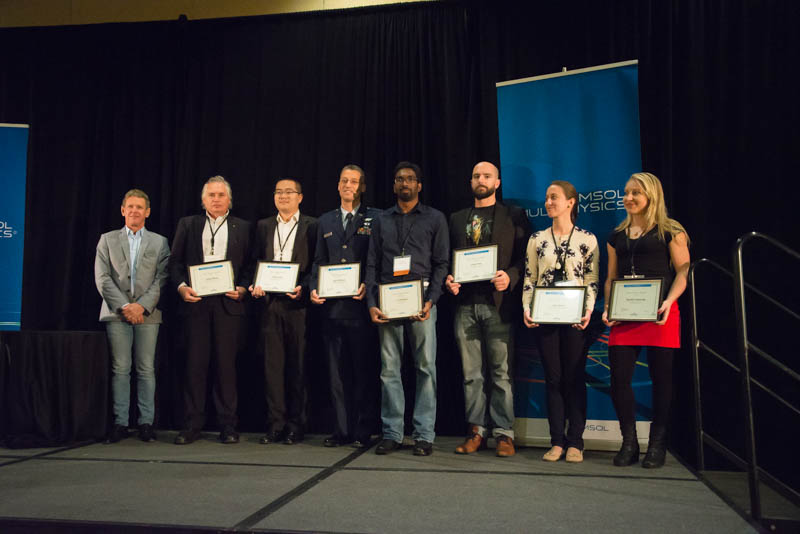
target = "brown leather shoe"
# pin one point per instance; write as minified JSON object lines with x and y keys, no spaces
{"x":472,"y":443}
{"x":504,"y":446}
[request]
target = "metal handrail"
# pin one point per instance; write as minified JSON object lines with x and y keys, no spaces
{"x":754,"y":472}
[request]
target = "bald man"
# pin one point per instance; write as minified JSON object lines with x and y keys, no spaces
{"x":485,"y":311}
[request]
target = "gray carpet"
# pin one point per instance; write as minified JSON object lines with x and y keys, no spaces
{"x":308,"y":487}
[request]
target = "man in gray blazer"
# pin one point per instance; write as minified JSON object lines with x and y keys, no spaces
{"x":130,"y":269}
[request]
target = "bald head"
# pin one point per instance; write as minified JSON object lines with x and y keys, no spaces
{"x":484,"y":182}
{"x":485,"y":167}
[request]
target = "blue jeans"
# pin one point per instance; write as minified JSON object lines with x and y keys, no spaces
{"x":486,"y":346}
{"x":422,"y":336}
{"x":127,"y":340}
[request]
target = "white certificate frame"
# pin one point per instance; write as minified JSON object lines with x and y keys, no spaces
{"x":460,"y":259}
{"x":277,"y":276}
{"x":326,"y":276}
{"x":558,"y":304}
{"x":411,"y":293}
{"x":635,"y":299}
{"x":212,"y":278}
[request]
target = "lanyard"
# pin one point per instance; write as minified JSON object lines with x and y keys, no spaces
{"x":398,"y":225}
{"x":563,"y":255}
{"x":214,"y":232}
{"x":282,"y":245}
{"x":633,"y":248}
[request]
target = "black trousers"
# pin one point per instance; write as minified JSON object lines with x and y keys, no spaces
{"x":561,"y":348}
{"x":623,"y":363}
{"x":351,"y":347}
{"x":283,"y":333}
{"x":212,"y":342}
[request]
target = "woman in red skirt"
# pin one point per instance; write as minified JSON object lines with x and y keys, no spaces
{"x":646,"y":244}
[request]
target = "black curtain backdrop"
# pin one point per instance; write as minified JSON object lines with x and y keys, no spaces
{"x":164,"y":105}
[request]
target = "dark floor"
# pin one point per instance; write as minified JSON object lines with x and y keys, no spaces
{"x":310,"y":488}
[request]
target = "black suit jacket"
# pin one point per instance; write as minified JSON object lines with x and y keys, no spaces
{"x":302,"y":253}
{"x":187,"y":249}
{"x":510,"y":233}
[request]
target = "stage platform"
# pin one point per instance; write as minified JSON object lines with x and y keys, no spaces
{"x":133,"y":486}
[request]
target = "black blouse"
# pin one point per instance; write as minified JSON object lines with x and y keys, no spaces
{"x":647,"y":253}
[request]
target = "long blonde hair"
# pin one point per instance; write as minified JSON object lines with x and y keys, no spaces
{"x":656,"y":211}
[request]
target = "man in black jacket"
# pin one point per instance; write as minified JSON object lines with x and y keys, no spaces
{"x":485,"y":312}
{"x":213,"y":323}
{"x":288,"y":236}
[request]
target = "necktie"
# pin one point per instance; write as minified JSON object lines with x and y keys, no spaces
{"x":348,"y":223}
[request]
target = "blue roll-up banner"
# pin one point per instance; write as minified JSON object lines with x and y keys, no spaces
{"x":13,"y":165}
{"x":581,"y":126}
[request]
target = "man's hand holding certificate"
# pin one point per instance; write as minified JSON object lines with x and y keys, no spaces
{"x":474,"y":264}
{"x":339,"y":280}
{"x":213,"y":278}
{"x":277,"y":277}
{"x":401,"y":300}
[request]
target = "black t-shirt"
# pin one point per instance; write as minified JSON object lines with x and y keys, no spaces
{"x":647,"y":254}
{"x":480,"y":223}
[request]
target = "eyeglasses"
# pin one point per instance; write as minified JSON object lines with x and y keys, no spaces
{"x":285,"y":192}
{"x":405,"y":179}
{"x":345,"y":181}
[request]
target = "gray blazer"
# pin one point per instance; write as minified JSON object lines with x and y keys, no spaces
{"x":112,"y":274}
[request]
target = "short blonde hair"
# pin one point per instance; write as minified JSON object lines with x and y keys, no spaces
{"x":139,"y":194}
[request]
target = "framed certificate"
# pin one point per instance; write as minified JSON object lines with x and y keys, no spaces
{"x":277,"y":276}
{"x":339,"y":280}
{"x":558,"y":305}
{"x":474,"y":264}
{"x":635,"y":299}
{"x":401,"y":300}
{"x":213,"y":278}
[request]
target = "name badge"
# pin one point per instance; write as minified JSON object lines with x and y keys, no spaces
{"x":402,"y":265}
{"x":633,"y":276}
{"x":566,"y":283}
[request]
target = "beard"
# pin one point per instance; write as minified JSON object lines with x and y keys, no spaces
{"x":405,"y":195}
{"x":483,"y":191}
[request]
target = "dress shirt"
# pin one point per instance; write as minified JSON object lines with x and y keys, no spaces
{"x":423,"y":234}
{"x":344,"y":215}
{"x":134,"y":242}
{"x":219,"y":225}
{"x":285,"y":232}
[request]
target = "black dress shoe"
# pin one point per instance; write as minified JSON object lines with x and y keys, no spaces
{"x":364,"y":442}
{"x":117,"y":433}
{"x":229,"y":435}
{"x":336,"y":440}
{"x":273,"y":436}
{"x":187,"y":436}
{"x":423,"y":448}
{"x":386,"y":446}
{"x":147,"y":433}
{"x":292,"y":438}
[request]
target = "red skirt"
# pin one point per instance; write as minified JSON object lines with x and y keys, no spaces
{"x":649,"y":334}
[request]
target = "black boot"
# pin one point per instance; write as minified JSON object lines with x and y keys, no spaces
{"x":656,"y":448}
{"x":629,"y":452}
